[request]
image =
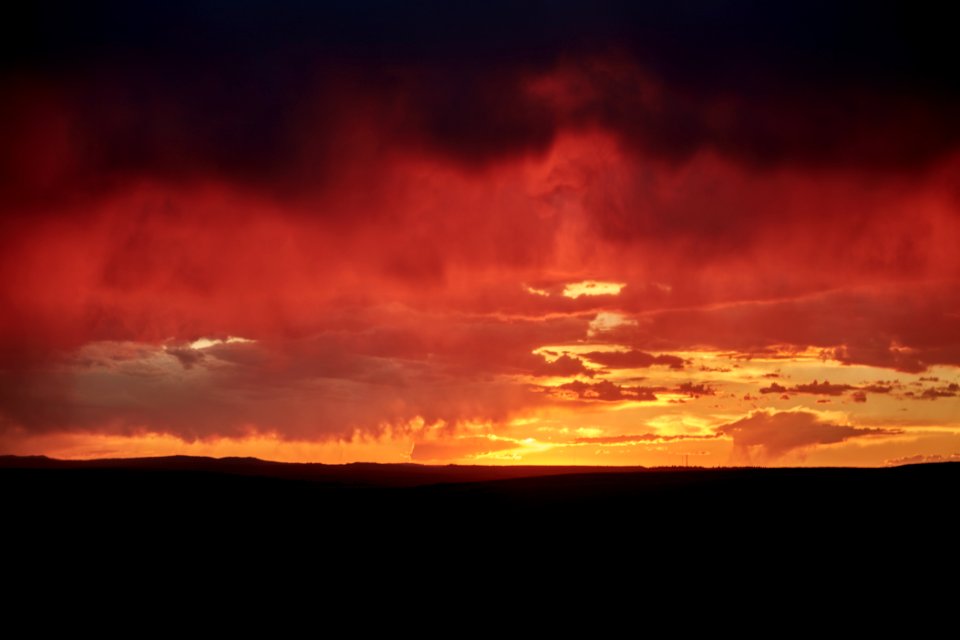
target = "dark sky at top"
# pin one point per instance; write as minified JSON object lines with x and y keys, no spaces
{"x":234,"y":89}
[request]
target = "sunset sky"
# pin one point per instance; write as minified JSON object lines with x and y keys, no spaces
{"x":508,"y":233}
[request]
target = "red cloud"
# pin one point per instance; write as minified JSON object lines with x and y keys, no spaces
{"x":377,"y":233}
{"x":946,"y":391}
{"x":633,"y":359}
{"x":609,"y":392}
{"x":563,"y":366}
{"x":817,"y":388}
{"x":695,"y":390}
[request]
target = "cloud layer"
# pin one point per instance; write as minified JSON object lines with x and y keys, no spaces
{"x":389,"y":203}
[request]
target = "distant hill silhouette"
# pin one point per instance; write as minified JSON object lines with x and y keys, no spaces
{"x":353,"y":474}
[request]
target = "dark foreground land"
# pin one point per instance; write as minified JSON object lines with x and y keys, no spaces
{"x":199,"y":501}
{"x":179,"y":535}
{"x":191,"y":529}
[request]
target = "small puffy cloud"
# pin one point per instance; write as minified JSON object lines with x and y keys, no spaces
{"x":563,"y":366}
{"x":633,"y":359}
{"x":825,"y":388}
{"x":695,"y":390}
{"x":946,"y":391}
{"x":608,"y":391}
{"x":822,"y":388}
{"x":815,"y":388}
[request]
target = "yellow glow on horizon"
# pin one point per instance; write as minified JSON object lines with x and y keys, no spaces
{"x":687,"y":424}
{"x":547,"y":430}
{"x":79,"y":446}
{"x":559,"y":448}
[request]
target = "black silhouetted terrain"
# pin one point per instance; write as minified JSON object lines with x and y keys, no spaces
{"x":355,"y":474}
{"x":341,"y":523}
{"x":345,"y":503}
{"x":189,"y":530}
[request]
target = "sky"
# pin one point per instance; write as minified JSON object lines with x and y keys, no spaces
{"x":599,"y":233}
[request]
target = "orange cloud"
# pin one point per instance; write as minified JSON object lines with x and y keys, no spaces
{"x":766,"y":436}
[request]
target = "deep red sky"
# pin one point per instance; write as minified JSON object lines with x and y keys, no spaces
{"x":609,"y":237}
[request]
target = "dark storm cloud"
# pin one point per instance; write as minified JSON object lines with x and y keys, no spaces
{"x":265,"y":94}
{"x":769,"y":435}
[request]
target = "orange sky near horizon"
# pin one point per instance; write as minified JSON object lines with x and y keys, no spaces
{"x":579,"y":257}
{"x":734,"y":413}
